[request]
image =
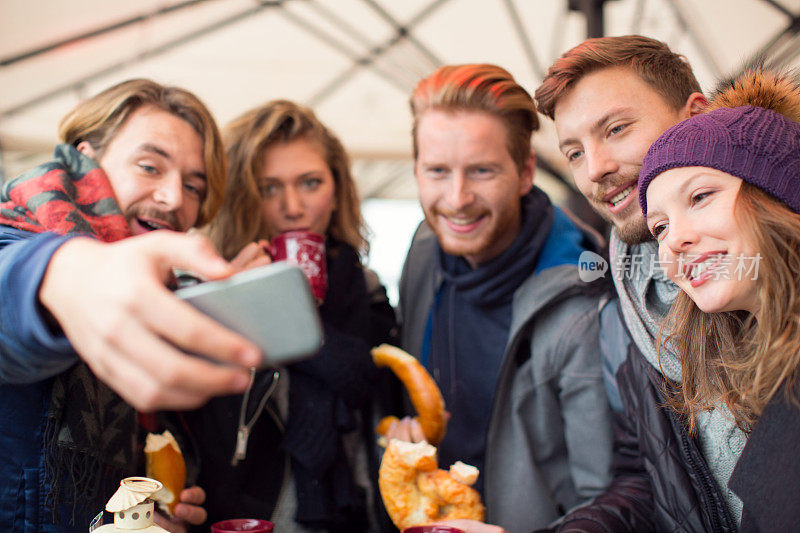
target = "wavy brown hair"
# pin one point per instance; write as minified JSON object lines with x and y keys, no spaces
{"x":736,"y":358}
{"x":246,"y":139}
{"x":97,"y":120}
{"x":661,"y":68}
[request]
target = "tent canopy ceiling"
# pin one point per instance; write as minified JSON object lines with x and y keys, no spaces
{"x":354,"y":61}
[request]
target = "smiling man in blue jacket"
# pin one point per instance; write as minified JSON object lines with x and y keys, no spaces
{"x":89,"y":331}
{"x":492,"y":303}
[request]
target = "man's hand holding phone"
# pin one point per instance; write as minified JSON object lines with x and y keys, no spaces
{"x":111,"y":302}
{"x":271,"y":305}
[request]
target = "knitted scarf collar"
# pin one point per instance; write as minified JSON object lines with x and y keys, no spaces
{"x":90,"y":432}
{"x":496,"y":281}
{"x":325,"y":392}
{"x":645,"y":295}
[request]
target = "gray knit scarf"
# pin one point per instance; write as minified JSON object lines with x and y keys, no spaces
{"x":645,"y":295}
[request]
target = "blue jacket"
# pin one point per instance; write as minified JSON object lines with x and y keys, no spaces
{"x":31,"y":353}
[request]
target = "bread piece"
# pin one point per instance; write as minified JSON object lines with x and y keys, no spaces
{"x":464,"y":473}
{"x":424,"y":394}
{"x":164,"y":462}
{"x":416,"y":492}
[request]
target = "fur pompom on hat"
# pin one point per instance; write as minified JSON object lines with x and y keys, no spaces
{"x":750,"y":130}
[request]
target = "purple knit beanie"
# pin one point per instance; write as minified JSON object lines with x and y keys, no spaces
{"x":758,"y":145}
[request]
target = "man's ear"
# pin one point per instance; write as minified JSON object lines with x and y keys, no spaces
{"x":526,"y":176}
{"x":695,"y":104}
{"x":416,"y":169}
{"x":86,"y":149}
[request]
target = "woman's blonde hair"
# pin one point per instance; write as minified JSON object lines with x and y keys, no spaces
{"x":246,"y":139}
{"x":98,"y":119}
{"x":735,"y":358}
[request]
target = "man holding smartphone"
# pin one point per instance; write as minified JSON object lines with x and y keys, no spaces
{"x":88,"y":327}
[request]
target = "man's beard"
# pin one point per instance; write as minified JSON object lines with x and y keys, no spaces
{"x":168,"y":217}
{"x":630,"y":231}
{"x":477,"y":246}
{"x":634,"y":232}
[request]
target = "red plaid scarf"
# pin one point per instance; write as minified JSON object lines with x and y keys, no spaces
{"x":69,"y":195}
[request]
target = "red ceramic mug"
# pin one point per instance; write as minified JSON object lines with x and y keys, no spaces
{"x":305,"y":249}
{"x":253,"y":525}
{"x":433,"y":529}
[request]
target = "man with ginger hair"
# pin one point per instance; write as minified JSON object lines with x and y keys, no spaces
{"x":491,"y":303}
{"x":611,"y":98}
{"x":89,"y":331}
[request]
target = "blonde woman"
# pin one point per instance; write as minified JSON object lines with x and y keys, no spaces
{"x":308,"y":463}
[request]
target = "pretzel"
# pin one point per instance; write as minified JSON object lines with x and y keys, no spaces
{"x":415,"y":492}
{"x":424,"y":394}
{"x":164,"y":462}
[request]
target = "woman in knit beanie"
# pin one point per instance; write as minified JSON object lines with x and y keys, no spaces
{"x":721,"y":195}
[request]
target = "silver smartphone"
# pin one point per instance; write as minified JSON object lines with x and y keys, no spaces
{"x":271,"y":305}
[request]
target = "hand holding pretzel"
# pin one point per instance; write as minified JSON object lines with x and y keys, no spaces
{"x":424,"y":394}
{"x":416,"y":492}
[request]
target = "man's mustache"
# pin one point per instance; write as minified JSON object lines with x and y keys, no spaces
{"x":149,"y":213}
{"x":472,"y":213}
{"x":612,"y":183}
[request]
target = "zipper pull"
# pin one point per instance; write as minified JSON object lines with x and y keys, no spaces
{"x":242,"y":436}
{"x":96,"y":522}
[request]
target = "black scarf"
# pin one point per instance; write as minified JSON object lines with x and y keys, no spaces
{"x":494,"y":282}
{"x":324,"y":393}
{"x":471,"y":322}
{"x":90,"y":433}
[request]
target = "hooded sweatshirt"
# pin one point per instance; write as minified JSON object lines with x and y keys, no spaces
{"x":471,"y":320}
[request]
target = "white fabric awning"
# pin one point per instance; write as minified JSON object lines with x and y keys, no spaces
{"x":354,"y":61}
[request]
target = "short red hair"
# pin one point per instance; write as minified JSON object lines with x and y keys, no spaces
{"x":483,"y":88}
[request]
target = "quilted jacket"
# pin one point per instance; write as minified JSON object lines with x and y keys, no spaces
{"x":661,"y":479}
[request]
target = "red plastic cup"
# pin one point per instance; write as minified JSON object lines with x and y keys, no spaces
{"x":305,"y":249}
{"x":252,"y":525}
{"x":433,"y":529}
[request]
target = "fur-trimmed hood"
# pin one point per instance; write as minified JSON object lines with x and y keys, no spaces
{"x":761,"y":87}
{"x":751,"y":130}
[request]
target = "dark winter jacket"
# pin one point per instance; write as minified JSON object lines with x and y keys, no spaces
{"x":30,"y":355}
{"x":662,"y":481}
{"x":766,"y":476}
{"x":356,"y":316}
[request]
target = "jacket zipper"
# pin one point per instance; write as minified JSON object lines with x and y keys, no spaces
{"x":705,"y":477}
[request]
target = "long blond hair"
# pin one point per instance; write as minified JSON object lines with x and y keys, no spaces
{"x":97,"y":120}
{"x":246,"y":139}
{"x":735,"y":358}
